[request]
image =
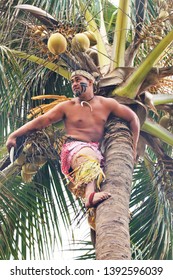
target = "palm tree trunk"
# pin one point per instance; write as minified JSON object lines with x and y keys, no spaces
{"x":112,"y":217}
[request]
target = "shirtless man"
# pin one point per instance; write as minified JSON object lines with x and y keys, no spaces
{"x":84,"y":118}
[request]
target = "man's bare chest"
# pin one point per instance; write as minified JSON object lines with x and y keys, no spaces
{"x":84,"y":116}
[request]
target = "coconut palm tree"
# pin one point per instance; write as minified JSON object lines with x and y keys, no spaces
{"x":133,"y":59}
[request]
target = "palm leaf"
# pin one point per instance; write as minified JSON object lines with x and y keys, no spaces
{"x":158,"y":131}
{"x":102,"y":52}
{"x":118,"y":49}
{"x":43,"y":16}
{"x":152,"y":236}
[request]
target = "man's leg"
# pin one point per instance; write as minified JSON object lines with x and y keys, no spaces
{"x":97,"y":197}
{"x":91,"y":197}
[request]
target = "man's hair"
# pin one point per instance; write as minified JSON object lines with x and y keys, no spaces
{"x":84,"y":74}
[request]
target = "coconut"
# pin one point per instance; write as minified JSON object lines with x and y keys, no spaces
{"x":91,"y":36}
{"x":165,"y":121}
{"x":80,"y":42}
{"x":57,"y":43}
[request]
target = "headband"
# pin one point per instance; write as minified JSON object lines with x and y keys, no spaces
{"x":84,"y":74}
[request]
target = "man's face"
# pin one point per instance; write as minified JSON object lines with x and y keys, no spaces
{"x":79,"y":85}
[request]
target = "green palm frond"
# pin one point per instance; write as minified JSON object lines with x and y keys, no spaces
{"x":11,"y":85}
{"x":29,"y":213}
{"x":86,"y":248}
{"x":151,"y":225}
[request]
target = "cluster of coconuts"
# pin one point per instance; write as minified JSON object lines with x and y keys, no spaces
{"x":57,"y":43}
{"x":31,"y":167}
{"x":36,"y":150}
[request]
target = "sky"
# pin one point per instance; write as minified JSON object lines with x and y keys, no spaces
{"x":115,"y":2}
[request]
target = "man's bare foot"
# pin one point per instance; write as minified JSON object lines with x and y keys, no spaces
{"x":96,"y":197}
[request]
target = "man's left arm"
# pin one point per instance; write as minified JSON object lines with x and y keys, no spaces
{"x":127,"y":114}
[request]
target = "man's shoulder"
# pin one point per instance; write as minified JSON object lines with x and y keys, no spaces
{"x":101,"y":98}
{"x":63,"y":106}
{"x":105,"y":99}
{"x":66,"y":103}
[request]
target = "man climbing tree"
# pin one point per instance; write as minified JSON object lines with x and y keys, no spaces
{"x":84,"y":117}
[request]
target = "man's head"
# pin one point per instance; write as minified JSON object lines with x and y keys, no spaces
{"x":81,"y":81}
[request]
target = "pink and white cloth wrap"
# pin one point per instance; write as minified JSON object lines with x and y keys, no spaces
{"x":69,"y":149}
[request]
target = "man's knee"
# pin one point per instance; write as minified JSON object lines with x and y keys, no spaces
{"x":81,"y":156}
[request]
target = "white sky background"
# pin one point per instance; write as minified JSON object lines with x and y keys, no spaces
{"x":115,"y":2}
{"x":80,"y":231}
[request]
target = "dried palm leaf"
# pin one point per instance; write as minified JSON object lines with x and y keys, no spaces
{"x":40,"y":14}
{"x":39,"y":110}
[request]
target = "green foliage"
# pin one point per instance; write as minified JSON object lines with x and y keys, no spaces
{"x":151,"y":224}
{"x":33,"y":215}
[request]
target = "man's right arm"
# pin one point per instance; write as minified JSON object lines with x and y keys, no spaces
{"x":54,"y":115}
{"x":124,"y":112}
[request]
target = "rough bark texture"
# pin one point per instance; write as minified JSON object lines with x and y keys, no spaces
{"x":112,"y":218}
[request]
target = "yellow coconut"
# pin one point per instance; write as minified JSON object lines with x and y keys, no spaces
{"x":91,"y":36}
{"x":57,"y":43}
{"x":80,"y":42}
{"x":165,"y":121}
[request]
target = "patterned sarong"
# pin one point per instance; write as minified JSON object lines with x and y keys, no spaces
{"x":89,"y":170}
{"x":70,"y":148}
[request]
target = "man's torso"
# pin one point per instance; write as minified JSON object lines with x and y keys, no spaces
{"x":84,"y":122}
